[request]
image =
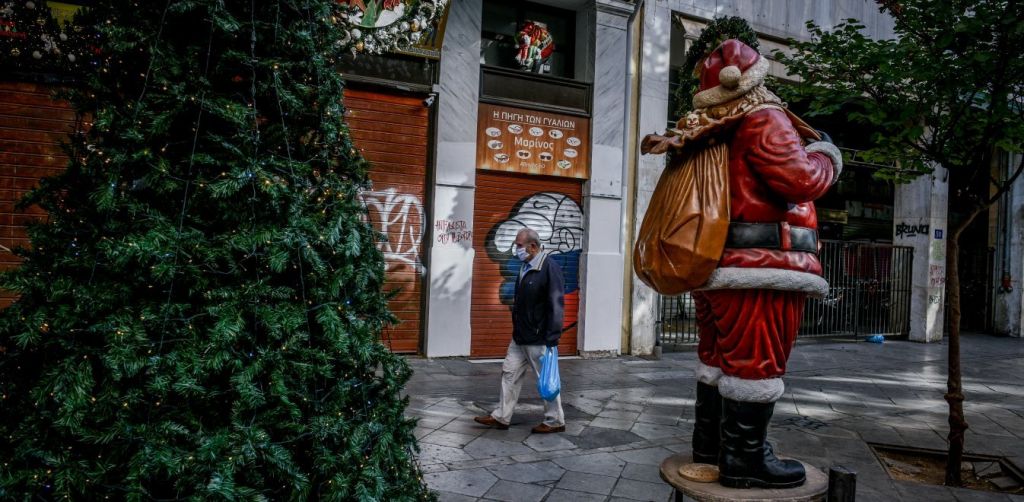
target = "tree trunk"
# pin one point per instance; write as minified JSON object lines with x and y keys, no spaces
{"x":954,"y":386}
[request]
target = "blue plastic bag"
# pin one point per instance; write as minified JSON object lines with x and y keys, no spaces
{"x":549,"y":384}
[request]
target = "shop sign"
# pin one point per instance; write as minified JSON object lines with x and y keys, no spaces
{"x":532,"y":142}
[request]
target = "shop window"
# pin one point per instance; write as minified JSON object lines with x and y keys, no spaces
{"x":678,"y":45}
{"x":528,"y":37}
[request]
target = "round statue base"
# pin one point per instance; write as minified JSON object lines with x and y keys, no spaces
{"x":813,"y":490}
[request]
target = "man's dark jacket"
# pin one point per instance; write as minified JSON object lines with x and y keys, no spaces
{"x":539,"y":305}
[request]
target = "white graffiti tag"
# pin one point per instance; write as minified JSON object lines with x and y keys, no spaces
{"x":400,"y":217}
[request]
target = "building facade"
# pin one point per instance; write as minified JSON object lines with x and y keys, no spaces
{"x":470,"y":144}
{"x":474,"y":134}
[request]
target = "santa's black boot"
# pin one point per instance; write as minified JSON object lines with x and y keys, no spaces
{"x":708,"y":419}
{"x":744,"y":462}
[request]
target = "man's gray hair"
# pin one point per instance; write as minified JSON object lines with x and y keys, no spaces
{"x":531,"y":236}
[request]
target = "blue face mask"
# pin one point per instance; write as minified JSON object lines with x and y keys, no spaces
{"x":521,"y":254}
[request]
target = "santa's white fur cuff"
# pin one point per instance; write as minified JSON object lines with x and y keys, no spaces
{"x":707,"y":374}
{"x":768,"y":390}
{"x":832,"y":152}
{"x":767,"y":278}
{"x":719,"y":94}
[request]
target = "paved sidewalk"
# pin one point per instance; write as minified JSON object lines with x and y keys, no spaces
{"x":625,"y":415}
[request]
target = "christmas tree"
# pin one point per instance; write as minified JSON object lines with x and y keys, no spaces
{"x":199,"y":315}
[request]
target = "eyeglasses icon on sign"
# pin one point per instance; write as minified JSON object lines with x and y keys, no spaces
{"x":536,"y":131}
{"x":501,"y":157}
{"x":573,"y":141}
{"x":495,"y":144}
{"x":545,"y":156}
{"x":493,"y":132}
{"x":523,"y":154}
{"x":515,"y":129}
{"x":564,"y":164}
{"x":555,"y":134}
{"x":569,"y":152}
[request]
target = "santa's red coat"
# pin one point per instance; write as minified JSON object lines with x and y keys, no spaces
{"x":773,"y":179}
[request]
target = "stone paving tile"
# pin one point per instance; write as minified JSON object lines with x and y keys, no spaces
{"x":454,"y":497}
{"x":465,"y":426}
{"x":431,"y":423}
{"x":433,"y":454}
{"x":620,"y":406}
{"x":597,"y":437}
{"x":589,"y":483}
{"x":642,"y":472}
{"x":429,"y":468}
{"x":484,"y":462}
{"x":642,"y":490}
{"x":487,"y":448}
{"x":623,"y":499}
{"x":612,"y":423}
{"x":445,"y":438}
{"x":586,"y":405}
{"x":923,"y":438}
{"x":538,"y":456}
{"x":558,"y":495}
{"x":649,"y":456}
{"x":657,"y":419}
{"x":529,"y":473}
{"x":472,"y":482}
{"x":549,"y":442}
{"x":510,"y":491}
{"x":654,"y":431}
{"x":605,"y":464}
{"x":619,"y":414}
{"x":575,"y":427}
{"x":678,"y":448}
{"x":512,"y":434}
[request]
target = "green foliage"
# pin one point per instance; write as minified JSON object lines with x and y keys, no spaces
{"x":947,"y":90}
{"x":717,"y":31}
{"x":199,"y":315}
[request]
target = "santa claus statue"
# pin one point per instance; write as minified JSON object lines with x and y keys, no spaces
{"x":750,"y":305}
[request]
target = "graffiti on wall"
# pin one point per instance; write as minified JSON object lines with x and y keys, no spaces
{"x":558,"y":220}
{"x":937,"y":275}
{"x":400,"y":217}
{"x":904,"y":229}
{"x":452,"y":232}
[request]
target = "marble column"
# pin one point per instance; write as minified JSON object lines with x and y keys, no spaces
{"x":653,"y":115}
{"x":602,"y":263}
{"x":450,"y":269}
{"x":1008,"y":315}
{"x":919,"y":221}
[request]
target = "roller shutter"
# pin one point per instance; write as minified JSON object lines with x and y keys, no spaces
{"x":32,"y":127}
{"x":504,"y":204}
{"x":392,"y":132}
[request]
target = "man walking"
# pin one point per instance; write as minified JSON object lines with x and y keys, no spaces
{"x":536,"y":325}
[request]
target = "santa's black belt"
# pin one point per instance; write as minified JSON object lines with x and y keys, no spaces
{"x":772,"y":236}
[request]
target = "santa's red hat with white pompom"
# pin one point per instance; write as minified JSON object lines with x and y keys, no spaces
{"x":730,"y":71}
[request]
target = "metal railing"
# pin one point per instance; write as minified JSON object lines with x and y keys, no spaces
{"x":869,"y":294}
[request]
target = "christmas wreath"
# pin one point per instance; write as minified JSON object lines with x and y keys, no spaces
{"x":379,"y":26}
{"x":717,"y":31}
